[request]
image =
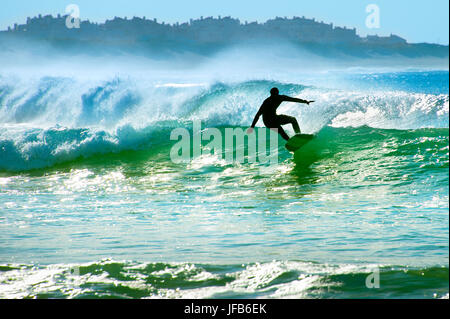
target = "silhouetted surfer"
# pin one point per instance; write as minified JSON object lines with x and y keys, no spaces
{"x":270,"y":117}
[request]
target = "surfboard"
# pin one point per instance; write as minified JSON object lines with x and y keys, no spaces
{"x":297,"y":141}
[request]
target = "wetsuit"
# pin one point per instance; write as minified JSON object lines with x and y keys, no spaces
{"x":274,"y":121}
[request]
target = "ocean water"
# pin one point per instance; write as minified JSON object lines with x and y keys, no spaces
{"x":92,"y":206}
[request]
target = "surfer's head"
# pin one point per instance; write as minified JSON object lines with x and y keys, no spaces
{"x":274,"y":91}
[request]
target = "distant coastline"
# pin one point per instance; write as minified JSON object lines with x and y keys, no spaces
{"x":206,"y":35}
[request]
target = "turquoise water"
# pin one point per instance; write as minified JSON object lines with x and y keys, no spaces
{"x":92,"y":205}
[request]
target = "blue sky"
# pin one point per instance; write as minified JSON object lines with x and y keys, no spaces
{"x":415,"y":20}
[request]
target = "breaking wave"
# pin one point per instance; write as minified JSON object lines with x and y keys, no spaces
{"x":277,"y":279}
{"x":50,"y":120}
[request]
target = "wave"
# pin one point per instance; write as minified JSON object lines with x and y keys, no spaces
{"x":50,"y":120}
{"x":27,"y":149}
{"x":72,"y":102}
{"x":276,"y":279}
{"x":38,"y":148}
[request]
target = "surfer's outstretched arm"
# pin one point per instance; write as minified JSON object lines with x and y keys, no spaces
{"x":255,"y":120}
{"x":293,"y":99}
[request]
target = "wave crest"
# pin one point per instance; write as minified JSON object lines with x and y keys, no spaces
{"x":50,"y":120}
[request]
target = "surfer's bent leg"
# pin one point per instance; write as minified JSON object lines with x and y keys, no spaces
{"x":273,"y":124}
{"x":285,"y":119}
{"x":280,"y":131}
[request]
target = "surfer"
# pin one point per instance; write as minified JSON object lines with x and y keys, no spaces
{"x":270,"y":117}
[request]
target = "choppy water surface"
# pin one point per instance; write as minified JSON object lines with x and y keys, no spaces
{"x":92,"y":205}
